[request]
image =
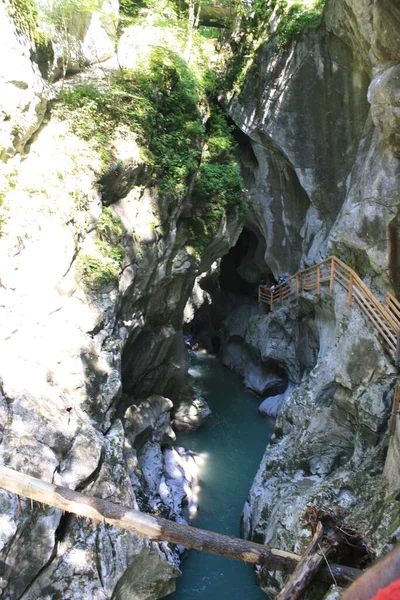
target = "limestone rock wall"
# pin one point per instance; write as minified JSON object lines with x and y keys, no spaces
{"x":330,"y":442}
{"x":304,"y":110}
{"x":85,"y":371}
{"x":22,"y":90}
{"x":70,"y":41}
{"x":321,"y":160}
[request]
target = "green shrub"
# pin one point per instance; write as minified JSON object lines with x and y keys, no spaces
{"x":103,"y":269}
{"x":96,"y":273}
{"x":25,"y":16}
{"x":297,"y":18}
{"x":219,"y":186}
{"x":158,"y":102}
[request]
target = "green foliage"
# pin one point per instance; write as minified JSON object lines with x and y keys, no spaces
{"x":129,"y":8}
{"x":90,"y":113}
{"x":292,"y":17}
{"x":211,"y":33}
{"x":63,"y":11}
{"x":104,"y":268}
{"x":159,"y":102}
{"x":109,"y":227}
{"x":25,"y":16}
{"x":171,"y":122}
{"x":263,"y":9}
{"x":219,"y":185}
{"x":96,"y":272}
{"x":163,"y":13}
{"x":297,"y":18}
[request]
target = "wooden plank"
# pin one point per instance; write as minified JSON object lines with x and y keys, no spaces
{"x":395,"y":408}
{"x":380,"y":326}
{"x":393,"y":306}
{"x":158,"y":528}
{"x":350,"y":294}
{"x":374,"y":300}
{"x":307,"y":568}
{"x":285,"y":293}
{"x":375,"y":317}
{"x":342,"y":280}
{"x":333,"y":269}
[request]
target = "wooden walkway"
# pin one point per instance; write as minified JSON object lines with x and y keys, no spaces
{"x":384,"y":317}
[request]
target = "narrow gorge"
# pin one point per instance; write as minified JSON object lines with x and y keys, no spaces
{"x":158,"y":161}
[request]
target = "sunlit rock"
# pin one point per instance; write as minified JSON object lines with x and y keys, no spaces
{"x":22,"y":90}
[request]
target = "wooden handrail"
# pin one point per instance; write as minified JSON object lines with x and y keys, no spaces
{"x":393,"y":306}
{"x":384,"y":318}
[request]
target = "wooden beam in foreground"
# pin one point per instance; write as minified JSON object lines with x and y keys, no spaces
{"x":307,"y":568}
{"x":157,"y":528}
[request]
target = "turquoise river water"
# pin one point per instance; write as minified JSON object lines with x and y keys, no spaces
{"x":231,"y":444}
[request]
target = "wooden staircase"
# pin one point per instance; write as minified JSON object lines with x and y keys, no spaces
{"x":384,"y":317}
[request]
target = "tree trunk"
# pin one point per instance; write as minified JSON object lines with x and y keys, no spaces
{"x":308,"y":566}
{"x":189,"y":42}
{"x":157,"y":528}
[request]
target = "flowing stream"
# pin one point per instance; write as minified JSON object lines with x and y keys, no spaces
{"x":230,"y":444}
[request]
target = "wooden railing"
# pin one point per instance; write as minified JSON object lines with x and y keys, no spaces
{"x":384,"y":318}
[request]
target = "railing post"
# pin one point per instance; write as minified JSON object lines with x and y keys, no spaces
{"x":332,"y":274}
{"x":350,"y":296}
{"x":297,"y":285}
{"x":395,"y":408}
{"x":272,"y":300}
{"x":318,"y":280}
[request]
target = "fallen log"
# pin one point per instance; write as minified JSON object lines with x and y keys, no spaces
{"x":308,"y":566}
{"x":160,"y":529}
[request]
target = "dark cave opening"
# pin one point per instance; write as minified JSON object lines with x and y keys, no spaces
{"x":236,"y":283}
{"x":278,"y":383}
{"x":242,"y":268}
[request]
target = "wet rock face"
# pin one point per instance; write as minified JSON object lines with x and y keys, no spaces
{"x":384,"y":96}
{"x":270,"y":350}
{"x":320,"y":173}
{"x":329,"y":444}
{"x":297,"y":129}
{"x":165,"y":476}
